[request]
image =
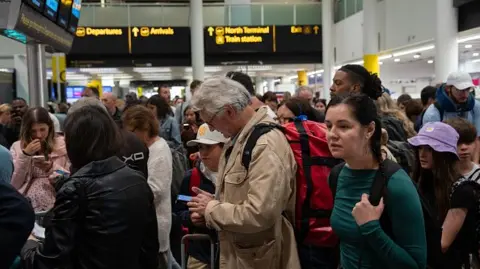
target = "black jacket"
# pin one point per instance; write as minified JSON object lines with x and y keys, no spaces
{"x":16,"y":223}
{"x":199,"y":250}
{"x":103,"y":218}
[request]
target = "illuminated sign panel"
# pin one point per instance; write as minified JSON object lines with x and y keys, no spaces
{"x":160,"y":40}
{"x":220,"y":39}
{"x":51,"y":10}
{"x":75,"y":16}
{"x":64,"y":13}
{"x":39,"y":5}
{"x":299,"y":39}
{"x":132,"y":40}
{"x":263,"y":39}
{"x":107,"y":41}
{"x":34,"y":25}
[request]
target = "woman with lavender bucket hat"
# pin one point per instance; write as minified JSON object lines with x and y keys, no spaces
{"x":446,"y":192}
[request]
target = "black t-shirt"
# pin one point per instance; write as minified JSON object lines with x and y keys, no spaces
{"x":463,"y":197}
{"x":135,"y":153}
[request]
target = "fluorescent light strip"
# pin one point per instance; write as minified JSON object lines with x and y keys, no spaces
{"x":150,"y":70}
{"x":384,"y":57}
{"x":411,"y":51}
{"x":476,"y":61}
{"x":469,"y":38}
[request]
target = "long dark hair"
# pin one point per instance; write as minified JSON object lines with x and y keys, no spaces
{"x":31,"y":117}
{"x":364,"y":111}
{"x":442,"y":175}
{"x":163,"y":108}
{"x":101,"y":141}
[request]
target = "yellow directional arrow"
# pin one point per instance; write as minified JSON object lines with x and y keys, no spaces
{"x":315,"y":29}
{"x":135,"y":31}
{"x":210,"y":30}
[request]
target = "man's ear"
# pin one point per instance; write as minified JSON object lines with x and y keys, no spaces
{"x":356,"y":88}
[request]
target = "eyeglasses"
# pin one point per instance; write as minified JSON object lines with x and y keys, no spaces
{"x":209,"y":122}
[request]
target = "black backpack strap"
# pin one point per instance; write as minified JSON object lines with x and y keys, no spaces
{"x":258,"y":131}
{"x":440,"y":109}
{"x":333,"y":178}
{"x":379,"y":190}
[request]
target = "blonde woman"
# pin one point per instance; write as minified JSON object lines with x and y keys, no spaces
{"x":387,"y":107}
{"x":5,"y":116}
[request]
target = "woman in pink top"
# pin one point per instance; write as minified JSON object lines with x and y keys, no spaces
{"x":38,"y":157}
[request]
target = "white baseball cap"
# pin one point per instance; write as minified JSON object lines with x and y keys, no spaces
{"x":460,"y":80}
{"x":207,"y":137}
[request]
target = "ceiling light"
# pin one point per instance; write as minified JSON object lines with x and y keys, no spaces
{"x":144,"y":70}
{"x":291,"y":77}
{"x":315,"y":72}
{"x":277,"y":80}
{"x":469,"y":38}
{"x":411,"y":51}
{"x":384,"y":57}
{"x":100,"y":70}
{"x":468,"y":46}
{"x":397,"y":60}
{"x":312,"y":76}
{"x":380,"y":63}
{"x":476,"y":61}
{"x":416,"y":56}
{"x":357,"y":62}
{"x":475,"y":54}
{"x":430,"y":61}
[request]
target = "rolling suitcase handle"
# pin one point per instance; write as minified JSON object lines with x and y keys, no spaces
{"x":198,"y":237}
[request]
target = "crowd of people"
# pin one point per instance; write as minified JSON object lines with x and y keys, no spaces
{"x":361,"y":181}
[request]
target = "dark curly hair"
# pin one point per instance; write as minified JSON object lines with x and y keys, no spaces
{"x":370,"y":84}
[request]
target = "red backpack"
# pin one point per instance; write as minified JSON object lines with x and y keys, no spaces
{"x":314,"y":202}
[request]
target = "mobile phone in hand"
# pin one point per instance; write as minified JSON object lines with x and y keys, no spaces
{"x":184,"y":198}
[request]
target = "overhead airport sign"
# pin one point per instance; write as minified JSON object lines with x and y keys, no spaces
{"x":220,"y":39}
{"x":262,"y":39}
{"x":22,"y":19}
{"x":135,"y":40}
{"x":33,"y":24}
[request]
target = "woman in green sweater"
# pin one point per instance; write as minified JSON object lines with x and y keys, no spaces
{"x":354,"y":133}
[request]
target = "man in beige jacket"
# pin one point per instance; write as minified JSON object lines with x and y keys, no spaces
{"x":252,"y":210}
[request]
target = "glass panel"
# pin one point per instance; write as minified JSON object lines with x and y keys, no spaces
{"x":278,"y":14}
{"x":256,"y":14}
{"x":146,"y":16}
{"x":351,"y":8}
{"x":88,"y":16}
{"x":340,"y":10}
{"x":240,"y":15}
{"x":359,"y":5}
{"x":175,"y":15}
{"x":309,"y":14}
{"x":214,"y":15}
{"x":111,"y":16}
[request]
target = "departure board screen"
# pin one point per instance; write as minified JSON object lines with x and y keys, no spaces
{"x":64,"y":11}
{"x":75,"y":16}
{"x":36,"y":4}
{"x":51,"y":10}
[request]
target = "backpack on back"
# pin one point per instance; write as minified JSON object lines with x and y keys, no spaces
{"x":314,"y":202}
{"x":403,"y":153}
{"x":472,"y":180}
{"x":179,"y":167}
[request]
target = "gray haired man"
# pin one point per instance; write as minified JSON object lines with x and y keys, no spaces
{"x":247,"y":208}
